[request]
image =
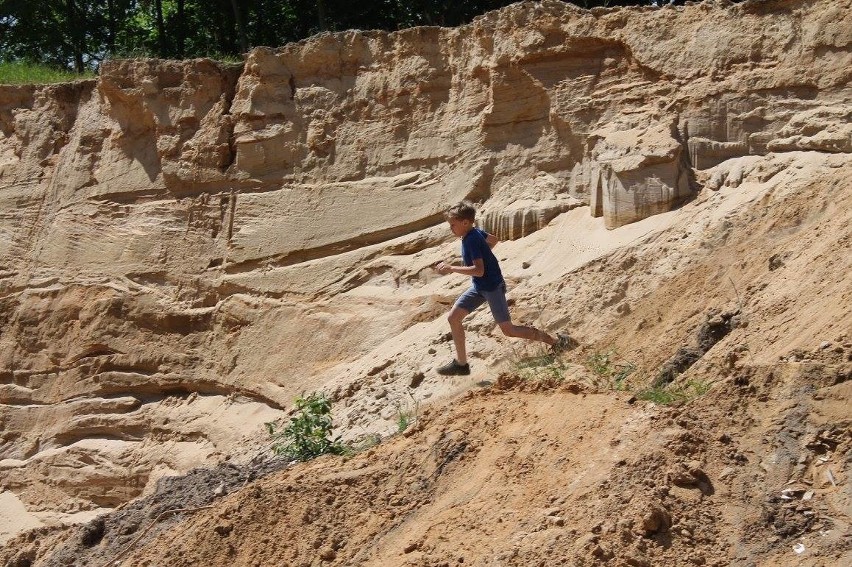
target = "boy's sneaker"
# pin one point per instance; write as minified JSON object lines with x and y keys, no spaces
{"x":454,"y":369}
{"x":564,"y":343}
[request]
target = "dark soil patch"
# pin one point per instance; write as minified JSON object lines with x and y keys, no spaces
{"x":715,"y":328}
{"x":104,"y":538}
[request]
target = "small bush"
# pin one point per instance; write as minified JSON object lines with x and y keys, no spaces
{"x":308,"y":435}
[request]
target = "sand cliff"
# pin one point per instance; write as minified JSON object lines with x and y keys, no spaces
{"x":186,"y":246}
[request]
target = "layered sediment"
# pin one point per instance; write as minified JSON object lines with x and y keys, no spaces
{"x":185,"y":246}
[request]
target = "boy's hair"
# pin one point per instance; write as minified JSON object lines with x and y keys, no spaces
{"x":462,"y":211}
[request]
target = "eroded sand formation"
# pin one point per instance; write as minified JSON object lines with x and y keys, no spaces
{"x":185,"y":247}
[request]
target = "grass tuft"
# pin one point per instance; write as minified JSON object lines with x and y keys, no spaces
{"x":542,"y":366}
{"x":608,"y":372}
{"x":407,"y":416}
{"x":671,"y":394}
{"x":612,"y":373}
{"x":364,"y":444}
{"x":403,"y":420}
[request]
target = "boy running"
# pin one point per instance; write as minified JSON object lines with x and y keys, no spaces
{"x":480,"y":263}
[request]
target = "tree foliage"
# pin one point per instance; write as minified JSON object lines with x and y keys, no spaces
{"x":79,"y":34}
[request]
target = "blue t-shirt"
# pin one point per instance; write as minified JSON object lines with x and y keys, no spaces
{"x":474,"y":246}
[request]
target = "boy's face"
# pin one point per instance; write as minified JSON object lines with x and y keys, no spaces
{"x":459,"y":227}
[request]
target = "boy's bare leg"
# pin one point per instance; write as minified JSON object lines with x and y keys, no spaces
{"x":455,"y":317}
{"x":529,"y":333}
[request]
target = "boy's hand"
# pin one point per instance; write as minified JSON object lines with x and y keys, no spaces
{"x":443,"y":268}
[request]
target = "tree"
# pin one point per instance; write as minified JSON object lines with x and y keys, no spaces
{"x":111,"y":25}
{"x":241,"y":30}
{"x":78,"y":34}
{"x":323,"y":23}
{"x":180,"y":33}
{"x":162,"y":40}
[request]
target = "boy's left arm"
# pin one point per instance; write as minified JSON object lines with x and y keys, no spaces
{"x":491,"y":240}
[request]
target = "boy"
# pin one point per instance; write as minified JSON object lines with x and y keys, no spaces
{"x":488,"y":285}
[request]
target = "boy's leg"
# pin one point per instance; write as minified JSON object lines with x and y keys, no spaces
{"x":455,"y":317}
{"x":529,"y":333}
{"x":465,"y":304}
{"x":500,"y":309}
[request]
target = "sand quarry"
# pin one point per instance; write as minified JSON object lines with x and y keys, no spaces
{"x":186,"y":247}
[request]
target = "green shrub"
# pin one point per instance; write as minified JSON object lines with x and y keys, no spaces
{"x":308,"y":435}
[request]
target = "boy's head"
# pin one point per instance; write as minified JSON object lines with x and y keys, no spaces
{"x":461,"y":217}
{"x":462,"y":211}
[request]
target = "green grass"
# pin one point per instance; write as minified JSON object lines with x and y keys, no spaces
{"x":407,"y":416}
{"x":545,"y":366}
{"x":18,"y":73}
{"x":225,"y":60}
{"x":609,"y":373}
{"x":403,"y":420}
{"x":536,"y":361}
{"x":364,"y":444}
{"x":671,"y":394}
{"x":229,"y":59}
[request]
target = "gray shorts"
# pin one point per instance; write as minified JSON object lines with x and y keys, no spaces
{"x":471,"y":299}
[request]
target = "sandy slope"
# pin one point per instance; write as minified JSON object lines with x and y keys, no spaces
{"x":531,"y":473}
{"x":536,"y":471}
